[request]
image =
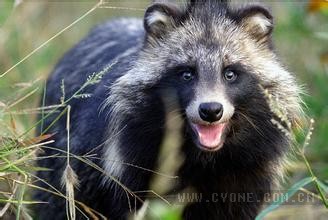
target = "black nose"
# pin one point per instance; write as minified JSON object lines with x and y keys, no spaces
{"x":210,"y":111}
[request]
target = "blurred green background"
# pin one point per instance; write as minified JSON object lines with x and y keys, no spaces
{"x":300,"y":35}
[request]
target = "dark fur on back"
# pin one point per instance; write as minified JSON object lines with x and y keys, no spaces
{"x":124,"y":119}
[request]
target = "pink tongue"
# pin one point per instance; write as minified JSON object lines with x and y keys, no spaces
{"x":210,"y":135}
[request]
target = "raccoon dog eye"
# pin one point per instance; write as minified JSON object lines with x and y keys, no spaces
{"x":230,"y":76}
{"x":187,"y":75}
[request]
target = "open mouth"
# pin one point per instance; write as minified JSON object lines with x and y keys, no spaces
{"x":210,"y":137}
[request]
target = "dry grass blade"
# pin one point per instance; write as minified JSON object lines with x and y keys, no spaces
{"x":7,"y":205}
{"x":52,"y":38}
{"x":58,"y":193}
{"x":121,"y":8}
{"x":140,"y":215}
{"x":36,"y":140}
{"x":22,"y":98}
{"x":69,"y":178}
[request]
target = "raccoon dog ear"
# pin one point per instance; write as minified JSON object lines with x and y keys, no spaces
{"x":256,"y":20}
{"x":161,"y":18}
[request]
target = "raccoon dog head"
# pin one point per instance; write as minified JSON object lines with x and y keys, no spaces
{"x":218,"y":59}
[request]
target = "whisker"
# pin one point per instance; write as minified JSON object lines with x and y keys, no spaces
{"x":251,"y":123}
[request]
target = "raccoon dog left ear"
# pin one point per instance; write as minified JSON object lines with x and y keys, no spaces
{"x":256,"y":20}
{"x":161,"y":18}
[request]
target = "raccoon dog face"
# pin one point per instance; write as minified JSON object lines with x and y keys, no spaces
{"x":218,"y":59}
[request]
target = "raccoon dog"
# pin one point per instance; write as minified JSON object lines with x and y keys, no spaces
{"x":217,"y":60}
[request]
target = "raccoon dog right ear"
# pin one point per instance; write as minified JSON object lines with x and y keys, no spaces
{"x":160,"y":18}
{"x":256,"y":20}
